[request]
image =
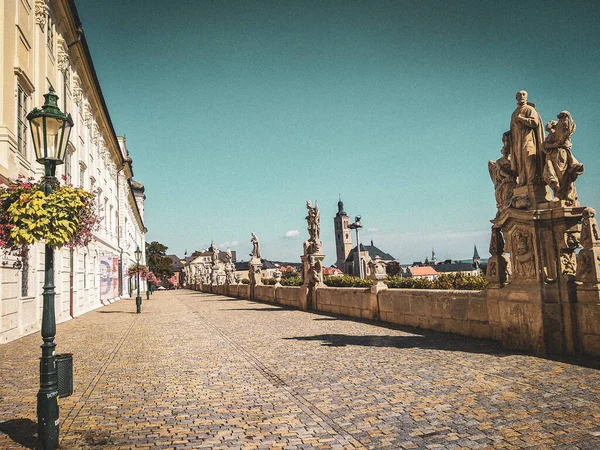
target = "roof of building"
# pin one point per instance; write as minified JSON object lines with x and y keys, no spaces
{"x":373,"y":252}
{"x":475,"y":253}
{"x":422,"y":271}
{"x":454,"y":267}
{"x":243,"y":265}
{"x":177,"y":266}
{"x":332,"y":271}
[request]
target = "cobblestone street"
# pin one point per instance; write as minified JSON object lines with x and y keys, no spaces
{"x":203,"y":371}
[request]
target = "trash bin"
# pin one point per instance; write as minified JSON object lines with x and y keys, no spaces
{"x":64,"y":369}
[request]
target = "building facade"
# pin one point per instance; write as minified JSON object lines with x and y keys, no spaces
{"x":43,"y":45}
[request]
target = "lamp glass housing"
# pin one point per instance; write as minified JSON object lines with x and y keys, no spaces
{"x":50,"y":130}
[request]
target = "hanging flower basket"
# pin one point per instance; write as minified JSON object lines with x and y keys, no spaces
{"x":152,"y":278}
{"x":134,"y":269}
{"x":65,"y":217}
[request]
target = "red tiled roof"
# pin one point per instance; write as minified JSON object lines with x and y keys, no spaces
{"x":423,"y":271}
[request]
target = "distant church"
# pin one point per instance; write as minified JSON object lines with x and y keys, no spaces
{"x":346,"y":255}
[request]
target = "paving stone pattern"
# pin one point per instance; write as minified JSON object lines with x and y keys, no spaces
{"x":201,"y":371}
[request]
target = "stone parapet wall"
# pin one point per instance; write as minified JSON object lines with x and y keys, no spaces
{"x":460,"y":312}
{"x":479,"y":314}
{"x":265,"y":293}
{"x":244,"y":291}
{"x":353,"y":302}
{"x":294,"y":296}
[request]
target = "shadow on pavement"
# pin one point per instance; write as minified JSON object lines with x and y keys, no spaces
{"x":21,"y":431}
{"x":326,"y":318}
{"x":115,"y":312}
{"x":437,"y":341}
{"x":256,"y":309}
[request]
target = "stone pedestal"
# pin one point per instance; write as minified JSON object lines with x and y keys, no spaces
{"x":588,"y":285}
{"x":535,"y":297}
{"x":255,"y":274}
{"x":312,"y":277}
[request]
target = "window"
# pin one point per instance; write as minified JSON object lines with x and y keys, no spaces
{"x":21,"y":120}
{"x":82,"y":168}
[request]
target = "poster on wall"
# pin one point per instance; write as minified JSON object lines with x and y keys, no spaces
{"x":109,"y":278}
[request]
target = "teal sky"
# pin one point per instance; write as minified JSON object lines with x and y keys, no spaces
{"x":237,"y":112}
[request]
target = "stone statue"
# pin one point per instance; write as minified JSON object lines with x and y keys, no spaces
{"x":228,"y":256}
{"x":313,"y":245}
{"x":255,"y":247}
{"x":527,"y":140}
{"x":502,"y":175}
{"x":314,"y":274}
{"x":561,"y":169}
{"x":214,"y":253}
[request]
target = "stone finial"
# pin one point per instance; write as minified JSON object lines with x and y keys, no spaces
{"x":277,"y":275}
{"x":378,"y":273}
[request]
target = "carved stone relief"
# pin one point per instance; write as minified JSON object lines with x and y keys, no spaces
{"x":522,"y":254}
{"x":41,"y":12}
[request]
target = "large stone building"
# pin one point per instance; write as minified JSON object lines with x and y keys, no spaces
{"x":43,"y":45}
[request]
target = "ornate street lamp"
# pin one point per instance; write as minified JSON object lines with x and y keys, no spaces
{"x":356,"y":226}
{"x":138,"y":299}
{"x":50,"y":129}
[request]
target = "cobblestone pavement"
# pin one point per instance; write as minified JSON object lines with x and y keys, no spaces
{"x":205,"y":371}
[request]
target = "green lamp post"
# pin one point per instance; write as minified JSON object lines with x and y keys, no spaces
{"x":138,"y":299}
{"x":50,"y":129}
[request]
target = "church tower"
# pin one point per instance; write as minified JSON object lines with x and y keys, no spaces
{"x":343,"y":241}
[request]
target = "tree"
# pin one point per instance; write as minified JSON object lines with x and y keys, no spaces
{"x":158,"y":263}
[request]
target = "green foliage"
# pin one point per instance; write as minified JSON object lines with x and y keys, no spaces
{"x":292,"y":281}
{"x":158,"y":263}
{"x":449,"y":282}
{"x":347,"y":281}
{"x":66,"y":216}
{"x":245,"y":281}
{"x":288,"y":273}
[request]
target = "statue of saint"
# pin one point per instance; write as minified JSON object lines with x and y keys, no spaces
{"x":503,"y":177}
{"x":314,"y":221}
{"x":228,"y":255}
{"x":255,"y":247}
{"x":561,"y":169}
{"x":527,"y":140}
{"x":313,"y":245}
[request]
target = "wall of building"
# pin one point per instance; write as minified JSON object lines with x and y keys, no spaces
{"x":42,"y":46}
